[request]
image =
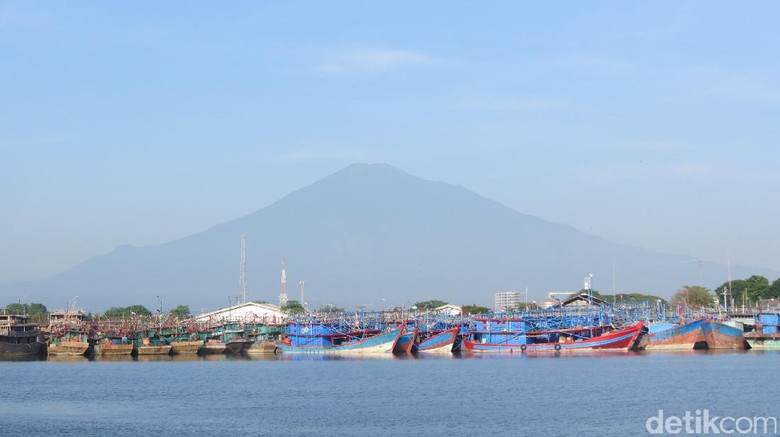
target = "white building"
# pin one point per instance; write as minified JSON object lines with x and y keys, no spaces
{"x":250,"y":312}
{"x":507,"y":299}
{"x":448,"y":309}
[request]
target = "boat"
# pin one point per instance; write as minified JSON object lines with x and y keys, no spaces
{"x":406,"y":342}
{"x":724,"y":336}
{"x":442,"y":342}
{"x":19,"y":339}
{"x":381,"y":343}
{"x":151,"y":346}
{"x":262,"y":347}
{"x":212,"y":347}
{"x":566,"y":340}
{"x":687,"y":336}
{"x":186,"y":347}
{"x":114,"y":346}
{"x":766,"y":335}
{"x":69,"y":342}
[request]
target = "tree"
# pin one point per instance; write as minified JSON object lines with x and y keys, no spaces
{"x":293,"y":307}
{"x":138,"y":310}
{"x":429,"y":304}
{"x":474,"y":309}
{"x":37,"y":309}
{"x":329,"y":308}
{"x":774,"y":289}
{"x":181,"y":311}
{"x":693,"y":295}
{"x":744,"y":291}
{"x":16,"y":308}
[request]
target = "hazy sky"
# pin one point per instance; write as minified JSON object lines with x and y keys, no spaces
{"x":648,"y":123}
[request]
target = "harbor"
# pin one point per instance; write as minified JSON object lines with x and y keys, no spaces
{"x":581,"y":324}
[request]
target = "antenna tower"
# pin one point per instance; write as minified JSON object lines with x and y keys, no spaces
{"x":283,"y":294}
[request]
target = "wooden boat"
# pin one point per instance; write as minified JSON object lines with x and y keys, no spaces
{"x":762,"y":341}
{"x":262,"y":347}
{"x":406,"y":342}
{"x":71,"y":348}
{"x":108,"y":348}
{"x":443,"y":342}
{"x":186,"y":347}
{"x":683,"y":337}
{"x":212,"y":347}
{"x":565,"y":341}
{"x":382,"y":343}
{"x":722,"y":336}
{"x":20,"y":340}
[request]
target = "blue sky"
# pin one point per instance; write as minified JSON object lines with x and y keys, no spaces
{"x":647,"y":123}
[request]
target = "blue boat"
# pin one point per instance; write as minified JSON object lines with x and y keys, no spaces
{"x":325,"y":341}
{"x":443,"y":342}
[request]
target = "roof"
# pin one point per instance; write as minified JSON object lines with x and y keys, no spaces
{"x":583,"y":298}
{"x":254,"y":307}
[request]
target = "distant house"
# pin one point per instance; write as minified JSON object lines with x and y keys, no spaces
{"x":448,"y":309}
{"x":582,"y":300}
{"x":65,"y":316}
{"x":772,"y":304}
{"x":245,"y":312}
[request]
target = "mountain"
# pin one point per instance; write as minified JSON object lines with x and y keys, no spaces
{"x":371,"y":234}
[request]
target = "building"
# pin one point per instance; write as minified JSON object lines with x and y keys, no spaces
{"x":66,"y":316}
{"x":506,"y":300}
{"x":250,"y":312}
{"x":448,"y":310}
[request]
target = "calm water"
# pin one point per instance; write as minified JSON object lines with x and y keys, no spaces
{"x":485,"y":395}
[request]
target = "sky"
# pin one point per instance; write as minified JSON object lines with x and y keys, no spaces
{"x":653,"y":124}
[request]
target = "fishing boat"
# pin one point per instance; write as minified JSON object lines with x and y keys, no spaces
{"x":19,"y":339}
{"x":687,"y":336}
{"x":212,"y":347}
{"x":406,"y":342}
{"x":567,"y":340}
{"x":151,"y":345}
{"x":442,"y":342}
{"x":68,"y":342}
{"x":723,"y":336}
{"x":766,"y":335}
{"x":186,"y":347}
{"x":334,"y":343}
{"x":114,"y":346}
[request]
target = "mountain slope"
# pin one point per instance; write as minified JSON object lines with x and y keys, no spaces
{"x":371,"y":235}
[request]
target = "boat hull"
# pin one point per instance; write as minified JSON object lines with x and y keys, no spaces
{"x":684,"y":337}
{"x":212,"y":349}
{"x":722,"y":336}
{"x":763,"y":342}
{"x":68,"y":348}
{"x":262,"y":347}
{"x":405,"y":342}
{"x":379,"y":344}
{"x":442,"y":342}
{"x":186,"y":347}
{"x":110,"y":349}
{"x":154,"y":350}
{"x":616,"y":340}
{"x":22,"y":350}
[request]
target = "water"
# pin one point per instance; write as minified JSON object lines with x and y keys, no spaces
{"x":483,"y":395}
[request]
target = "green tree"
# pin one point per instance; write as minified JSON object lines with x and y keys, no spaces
{"x":181,"y":311}
{"x":328,"y":308}
{"x":138,"y":310}
{"x":293,"y":307}
{"x":474,"y":309}
{"x":16,"y":308}
{"x":694,"y":296}
{"x":429,"y":304}
{"x":774,"y":289}
{"x":37,"y":309}
{"x":736,"y":292}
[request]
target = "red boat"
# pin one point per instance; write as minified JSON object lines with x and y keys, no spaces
{"x":623,"y":339}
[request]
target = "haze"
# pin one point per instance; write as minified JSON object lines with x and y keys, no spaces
{"x":643,"y":123}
